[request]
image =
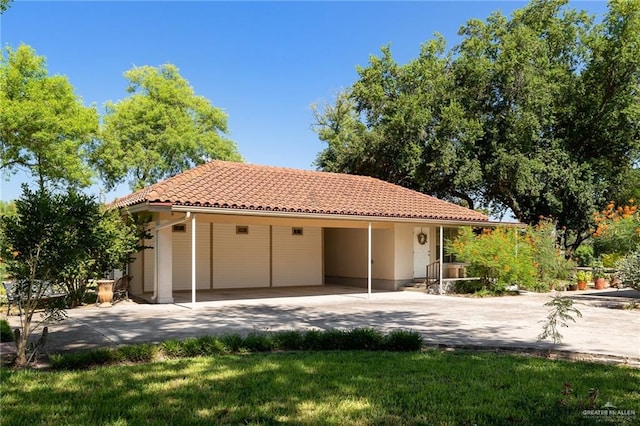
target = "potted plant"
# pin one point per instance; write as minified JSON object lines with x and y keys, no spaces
{"x":599,"y":277}
{"x":582,"y":277}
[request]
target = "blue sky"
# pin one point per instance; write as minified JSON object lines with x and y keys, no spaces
{"x":263,"y":62}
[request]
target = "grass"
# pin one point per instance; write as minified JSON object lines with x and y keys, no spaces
{"x":336,"y":387}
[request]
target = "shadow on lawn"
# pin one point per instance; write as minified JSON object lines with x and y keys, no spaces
{"x":321,"y":388}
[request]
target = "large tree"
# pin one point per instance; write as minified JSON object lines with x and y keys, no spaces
{"x":160,"y":130}
{"x":538,"y":114}
{"x":44,"y":126}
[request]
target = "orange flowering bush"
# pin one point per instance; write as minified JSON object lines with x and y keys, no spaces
{"x":494,"y":258}
{"x":617,"y":229}
{"x":505,"y":256}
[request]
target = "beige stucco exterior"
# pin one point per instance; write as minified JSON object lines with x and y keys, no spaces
{"x":271,"y":254}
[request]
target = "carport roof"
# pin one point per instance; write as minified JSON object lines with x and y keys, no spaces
{"x":240,"y":186}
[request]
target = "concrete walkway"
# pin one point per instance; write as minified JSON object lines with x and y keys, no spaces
{"x":503,"y":322}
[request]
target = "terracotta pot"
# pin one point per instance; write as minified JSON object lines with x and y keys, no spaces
{"x":600,"y":283}
{"x":582,"y":285}
{"x":573,"y":287}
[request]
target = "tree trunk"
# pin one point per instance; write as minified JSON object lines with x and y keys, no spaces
{"x":21,"y":346}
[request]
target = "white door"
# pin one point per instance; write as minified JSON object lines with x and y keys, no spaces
{"x":421,"y":252}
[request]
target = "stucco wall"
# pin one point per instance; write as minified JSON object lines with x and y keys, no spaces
{"x":240,"y":261}
{"x":296,"y":259}
{"x":345,"y":254}
{"x":182,"y":257}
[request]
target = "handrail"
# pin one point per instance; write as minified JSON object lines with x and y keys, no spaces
{"x":433,"y":272}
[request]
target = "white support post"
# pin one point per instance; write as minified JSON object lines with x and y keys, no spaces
{"x":164,"y":261}
{"x":163,"y":269}
{"x":154,"y":298}
{"x":441,"y":258}
{"x":369,"y":263}
{"x":193,"y":261}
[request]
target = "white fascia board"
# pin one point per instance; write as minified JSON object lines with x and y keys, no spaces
{"x":324,"y":216}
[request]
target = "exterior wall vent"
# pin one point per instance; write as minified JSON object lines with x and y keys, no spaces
{"x":242,"y":230}
{"x":180,"y":228}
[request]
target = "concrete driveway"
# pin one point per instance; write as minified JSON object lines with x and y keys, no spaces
{"x":496,"y":322}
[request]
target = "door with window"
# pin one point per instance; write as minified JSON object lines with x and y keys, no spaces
{"x":421,"y":251}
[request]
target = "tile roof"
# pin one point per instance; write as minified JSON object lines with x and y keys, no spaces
{"x":222,"y":184}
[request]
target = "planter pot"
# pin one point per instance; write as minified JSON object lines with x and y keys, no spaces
{"x":600,"y":283}
{"x":582,"y":285}
{"x":573,"y":287}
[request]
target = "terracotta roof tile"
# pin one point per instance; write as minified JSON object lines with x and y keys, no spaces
{"x":224,"y":184}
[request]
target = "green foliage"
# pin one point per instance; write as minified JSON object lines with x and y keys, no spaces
{"x":365,"y":339}
{"x":62,"y":238}
{"x":598,"y":271}
{"x":584,"y":276}
{"x":4,"y":5}
{"x":494,"y":258}
{"x":160,"y":130}
{"x":618,"y":230}
{"x":6,"y":334}
{"x":44,"y":126}
{"x":403,"y":341}
{"x":258,"y":342}
{"x":136,"y":353}
{"x":368,"y":339}
{"x":507,"y":256}
{"x":629,"y":270}
{"x":77,"y":241}
{"x":291,"y":340}
{"x":535,"y":113}
{"x":81,"y":359}
{"x":562,"y":311}
{"x":584,"y":255}
{"x":609,"y":260}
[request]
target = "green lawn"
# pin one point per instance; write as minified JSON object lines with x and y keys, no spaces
{"x":361,"y":388}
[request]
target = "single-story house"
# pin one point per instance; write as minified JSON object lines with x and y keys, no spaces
{"x":226,"y":225}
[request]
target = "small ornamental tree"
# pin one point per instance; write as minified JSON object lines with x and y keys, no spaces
{"x":61,"y":239}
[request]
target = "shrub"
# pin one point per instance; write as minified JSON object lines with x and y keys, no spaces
{"x":629,"y":270}
{"x":312,"y":340}
{"x":172,"y":348}
{"x":232,"y":342}
{"x":82,"y":359}
{"x":368,"y":339}
{"x":403,"y":341}
{"x":496,"y":256}
{"x":6,"y":334}
{"x":584,"y":255}
{"x":506,"y":256}
{"x":618,"y":229}
{"x":258,"y":342}
{"x":136,"y":353}
{"x":609,"y":260}
{"x":289,"y":340}
{"x":332,"y":340}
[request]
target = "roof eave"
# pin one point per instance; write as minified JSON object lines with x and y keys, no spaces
{"x":327,"y":216}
